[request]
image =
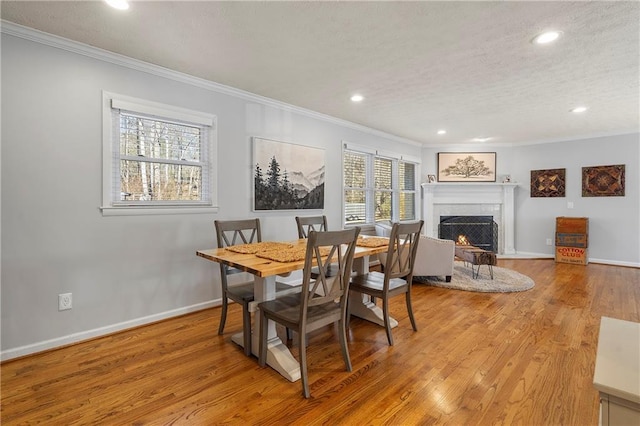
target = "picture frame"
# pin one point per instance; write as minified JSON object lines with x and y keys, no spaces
{"x":466,"y":167}
{"x":431,"y":178}
{"x":548,"y":183}
{"x":287,"y":176}
{"x":603,"y":181}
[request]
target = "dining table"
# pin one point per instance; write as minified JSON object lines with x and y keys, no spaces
{"x":265,"y":271}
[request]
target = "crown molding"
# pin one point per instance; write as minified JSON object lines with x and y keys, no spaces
{"x":62,"y":43}
{"x":485,"y":145}
{"x":582,"y":137}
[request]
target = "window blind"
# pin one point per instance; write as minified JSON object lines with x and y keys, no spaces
{"x":377,"y":186}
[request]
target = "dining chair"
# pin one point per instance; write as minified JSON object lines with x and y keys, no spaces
{"x":307,"y":224}
{"x":398,"y":272}
{"x":321,"y":302}
{"x":229,"y":233}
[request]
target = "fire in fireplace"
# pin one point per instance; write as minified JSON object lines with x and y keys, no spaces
{"x":463,"y":240}
{"x":479,"y":231}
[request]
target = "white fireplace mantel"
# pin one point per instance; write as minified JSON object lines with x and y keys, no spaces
{"x":495,"y":199}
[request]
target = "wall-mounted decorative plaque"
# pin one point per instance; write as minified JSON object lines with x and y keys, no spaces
{"x":548,"y":183}
{"x":603,"y":181}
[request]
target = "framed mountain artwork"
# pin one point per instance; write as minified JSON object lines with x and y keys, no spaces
{"x":287,"y":176}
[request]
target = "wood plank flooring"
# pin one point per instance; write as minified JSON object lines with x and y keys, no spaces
{"x":477,"y":359}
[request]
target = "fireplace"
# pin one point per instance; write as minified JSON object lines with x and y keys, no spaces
{"x":479,"y":231}
{"x":472,"y":199}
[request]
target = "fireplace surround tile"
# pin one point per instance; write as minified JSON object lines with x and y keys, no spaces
{"x":472,"y":199}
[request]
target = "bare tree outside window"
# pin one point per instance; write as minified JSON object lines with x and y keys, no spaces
{"x":159,"y":160}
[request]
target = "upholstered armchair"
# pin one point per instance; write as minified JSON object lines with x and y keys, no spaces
{"x":434,"y":257}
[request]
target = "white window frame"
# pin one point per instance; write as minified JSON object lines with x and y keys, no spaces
{"x":115,"y":207}
{"x":370,"y":189}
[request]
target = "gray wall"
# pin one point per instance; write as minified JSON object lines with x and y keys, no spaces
{"x":129,"y":270}
{"x":122,"y":270}
{"x":614,"y":222}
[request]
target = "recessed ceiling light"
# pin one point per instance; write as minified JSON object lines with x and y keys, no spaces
{"x":546,"y":37}
{"x":480,"y":139}
{"x":579,"y":109}
{"x":442,"y":132}
{"x":357,"y":98}
{"x":118,"y":4}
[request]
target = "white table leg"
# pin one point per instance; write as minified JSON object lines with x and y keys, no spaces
{"x":278,"y":355}
{"x":361,"y":305}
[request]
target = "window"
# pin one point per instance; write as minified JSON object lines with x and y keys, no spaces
{"x":378,"y":187}
{"x":157,"y":158}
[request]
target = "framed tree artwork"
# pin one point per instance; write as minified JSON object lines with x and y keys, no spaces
{"x":603,"y":181}
{"x":466,"y":167}
{"x":548,"y":183}
{"x":287,"y":176}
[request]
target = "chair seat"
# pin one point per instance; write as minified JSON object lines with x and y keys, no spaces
{"x":244,"y":292}
{"x":241,"y":292}
{"x":373,"y":282}
{"x":287,"y":310}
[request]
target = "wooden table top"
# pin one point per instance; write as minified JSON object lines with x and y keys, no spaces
{"x":265,"y":267}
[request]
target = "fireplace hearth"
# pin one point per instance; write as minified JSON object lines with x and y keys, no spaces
{"x":479,"y":231}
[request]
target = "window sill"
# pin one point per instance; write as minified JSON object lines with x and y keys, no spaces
{"x":365,"y":228}
{"x":156,"y":210}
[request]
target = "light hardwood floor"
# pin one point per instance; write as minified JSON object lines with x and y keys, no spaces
{"x":477,"y":359}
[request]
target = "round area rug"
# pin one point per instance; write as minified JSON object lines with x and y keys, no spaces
{"x":504,"y":280}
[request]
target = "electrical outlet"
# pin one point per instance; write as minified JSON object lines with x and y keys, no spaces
{"x":549,"y":241}
{"x":65,"y":301}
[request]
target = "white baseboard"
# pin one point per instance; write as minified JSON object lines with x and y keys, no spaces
{"x":527,"y":255}
{"x":90,"y":334}
{"x":614,"y":262}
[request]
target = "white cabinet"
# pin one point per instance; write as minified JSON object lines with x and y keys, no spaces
{"x":617,"y":372}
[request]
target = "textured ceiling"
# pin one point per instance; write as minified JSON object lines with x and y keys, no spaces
{"x":468,"y":67}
